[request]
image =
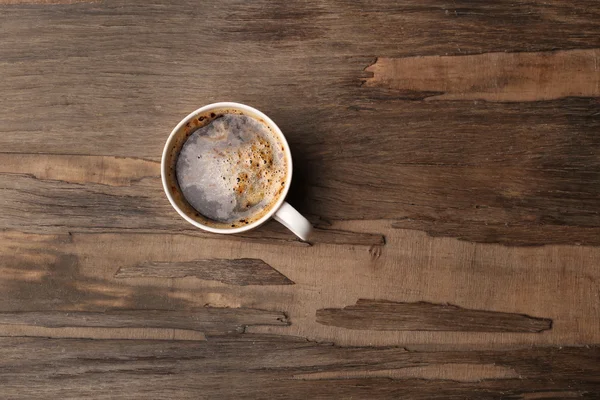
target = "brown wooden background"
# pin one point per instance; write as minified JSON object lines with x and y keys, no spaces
{"x":447,"y":151}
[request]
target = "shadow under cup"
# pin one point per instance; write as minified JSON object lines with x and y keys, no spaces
{"x":179,"y":136}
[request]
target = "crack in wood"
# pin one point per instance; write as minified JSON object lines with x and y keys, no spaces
{"x":242,"y":271}
{"x":450,"y":371}
{"x":423,"y":316}
{"x":101,"y":333}
{"x":558,"y":394}
{"x":517,"y":234}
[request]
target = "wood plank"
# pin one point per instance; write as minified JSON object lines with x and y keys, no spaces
{"x":77,"y":273}
{"x":492,"y":76}
{"x":530,"y":193}
{"x":209,"y":320}
{"x":259,"y":366}
{"x":242,"y":271}
{"x":385,"y":315}
{"x":338,"y":43}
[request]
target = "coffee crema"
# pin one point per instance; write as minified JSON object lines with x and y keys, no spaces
{"x":232,"y":169}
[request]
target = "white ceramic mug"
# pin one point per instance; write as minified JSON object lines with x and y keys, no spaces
{"x":281,"y":210}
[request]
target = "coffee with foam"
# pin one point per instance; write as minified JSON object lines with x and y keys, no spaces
{"x":231,"y":169}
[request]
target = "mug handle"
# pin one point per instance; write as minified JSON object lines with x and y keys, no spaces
{"x":294,"y":221}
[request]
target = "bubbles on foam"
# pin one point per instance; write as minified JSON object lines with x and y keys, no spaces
{"x":231,"y":169}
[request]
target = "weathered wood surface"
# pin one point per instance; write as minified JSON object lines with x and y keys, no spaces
{"x":256,"y":366}
{"x":448,"y":153}
{"x":77,"y":273}
{"x":530,"y":164}
{"x":384,"y":315}
{"x":97,"y":194}
{"x":242,"y":271}
{"x":209,"y":320}
{"x":492,"y":76}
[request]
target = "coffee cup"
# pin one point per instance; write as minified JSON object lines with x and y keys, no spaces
{"x":227,"y":168}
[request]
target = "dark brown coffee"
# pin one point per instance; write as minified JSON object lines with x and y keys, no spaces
{"x":232,"y":170}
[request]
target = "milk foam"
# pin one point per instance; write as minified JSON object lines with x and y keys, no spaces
{"x":232,"y":170}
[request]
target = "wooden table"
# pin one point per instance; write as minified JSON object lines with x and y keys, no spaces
{"x":448,"y":153}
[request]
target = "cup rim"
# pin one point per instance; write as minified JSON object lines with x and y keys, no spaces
{"x":253,"y":112}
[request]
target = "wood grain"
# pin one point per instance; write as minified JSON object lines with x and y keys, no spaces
{"x":104,"y":170}
{"x":451,"y":371}
{"x":46,"y":1}
{"x":389,"y":315}
{"x":525,"y":234}
{"x":208,"y":320}
{"x":271,"y":367}
{"x":243,"y":271}
{"x":515,"y":77}
{"x":62,"y":273}
{"x":505,"y":169}
{"x":101,"y":333}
